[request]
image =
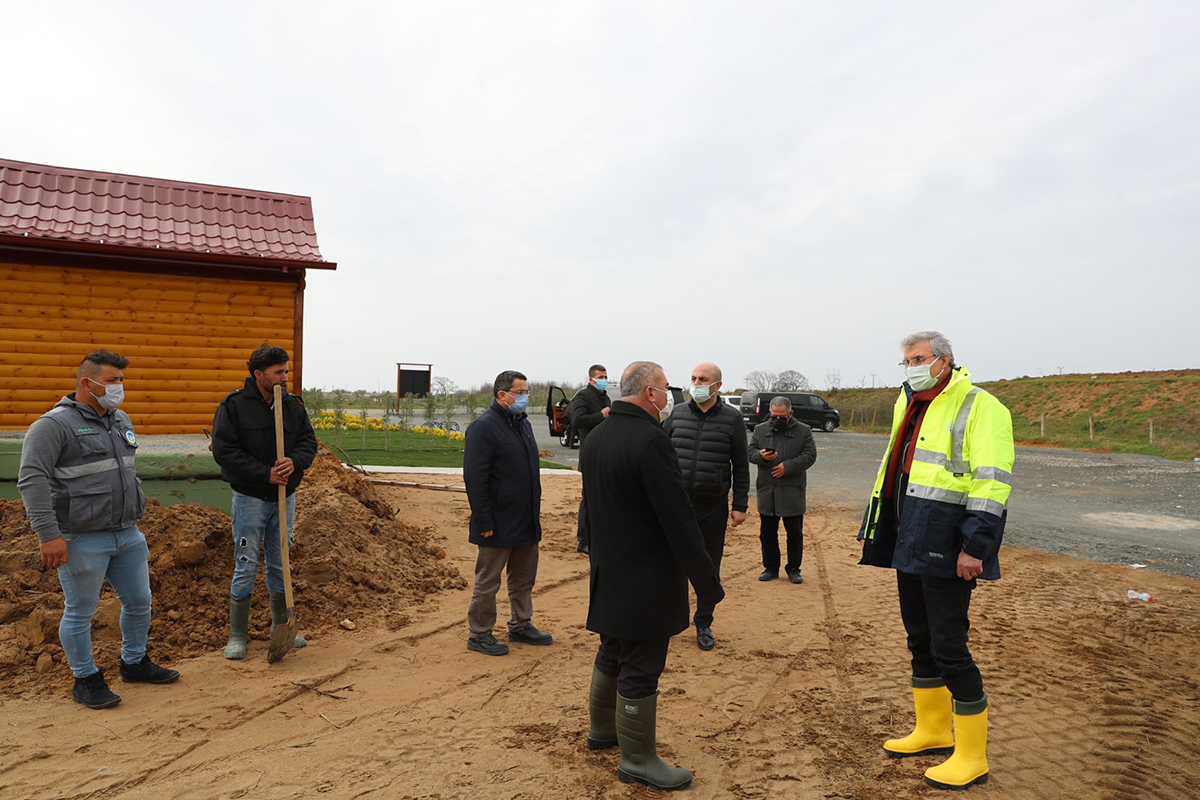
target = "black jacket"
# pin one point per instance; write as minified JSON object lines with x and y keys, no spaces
{"x":243,"y":441}
{"x":796,"y":450}
{"x":585,"y":411}
{"x":504,"y":486}
{"x":710,"y":444}
{"x":646,"y":544}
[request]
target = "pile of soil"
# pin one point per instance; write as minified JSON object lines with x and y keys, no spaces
{"x":352,"y":559}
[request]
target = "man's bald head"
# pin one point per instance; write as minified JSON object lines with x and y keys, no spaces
{"x":707,"y":370}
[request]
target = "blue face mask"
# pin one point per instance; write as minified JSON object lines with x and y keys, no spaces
{"x":601,"y":384}
{"x":520,"y":403}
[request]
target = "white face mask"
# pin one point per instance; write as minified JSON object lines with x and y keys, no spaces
{"x":919,"y":377}
{"x":702,"y":393}
{"x":666,"y":410}
{"x":114,"y":395}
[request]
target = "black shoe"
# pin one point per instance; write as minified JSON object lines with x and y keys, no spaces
{"x":93,"y":692}
{"x":794,"y":576}
{"x":704,"y":639}
{"x":146,"y":671}
{"x":530,"y":635}
{"x":488,"y":645}
{"x":769,"y":575}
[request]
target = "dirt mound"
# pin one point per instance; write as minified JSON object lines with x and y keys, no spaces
{"x":352,"y":559}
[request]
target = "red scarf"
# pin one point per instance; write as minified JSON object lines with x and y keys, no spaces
{"x":919,"y":404}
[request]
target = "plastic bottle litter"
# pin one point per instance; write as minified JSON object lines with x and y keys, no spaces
{"x":1134,"y":594}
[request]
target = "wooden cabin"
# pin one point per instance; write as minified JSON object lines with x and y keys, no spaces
{"x":185,"y":279}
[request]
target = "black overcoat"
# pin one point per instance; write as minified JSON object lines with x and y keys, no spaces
{"x":504,"y":487}
{"x":646,"y":544}
{"x":786,"y":496}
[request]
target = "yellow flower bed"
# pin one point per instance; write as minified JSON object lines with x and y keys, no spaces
{"x":325,"y":421}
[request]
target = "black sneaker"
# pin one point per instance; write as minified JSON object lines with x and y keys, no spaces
{"x":146,"y":671}
{"x":530,"y":635}
{"x":768,"y":575}
{"x":488,"y":645}
{"x":93,"y":692}
{"x":705,"y":639}
{"x":794,"y":576}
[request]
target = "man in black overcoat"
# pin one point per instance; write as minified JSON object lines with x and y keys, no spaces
{"x":646,"y":546}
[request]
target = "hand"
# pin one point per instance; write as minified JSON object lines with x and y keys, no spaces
{"x":486,"y":534}
{"x":969,"y":567}
{"x":737,"y":517}
{"x":604,"y":412}
{"x":282,"y":471}
{"x":778,"y":471}
{"x":768,"y":455}
{"x":54,"y":552}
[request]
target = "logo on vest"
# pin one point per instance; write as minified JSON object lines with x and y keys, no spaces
{"x":131,"y":438}
{"x":83,"y":431}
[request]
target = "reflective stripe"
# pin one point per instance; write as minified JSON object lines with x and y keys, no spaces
{"x":993,"y":474}
{"x":984,"y":504}
{"x":934,"y":493}
{"x":958,"y":433}
{"x":78,"y":471}
{"x":128,"y":460}
{"x":929,"y":457}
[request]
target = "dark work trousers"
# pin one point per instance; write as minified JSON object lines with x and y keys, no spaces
{"x":713,"y":518}
{"x":934,"y":611}
{"x":768,"y":535}
{"x":635,"y":663}
{"x":582,"y":539}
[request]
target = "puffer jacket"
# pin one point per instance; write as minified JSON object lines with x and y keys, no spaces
{"x":711,"y":446}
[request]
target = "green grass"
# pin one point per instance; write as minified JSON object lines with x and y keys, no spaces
{"x":403,"y":450}
{"x":1121,"y":407}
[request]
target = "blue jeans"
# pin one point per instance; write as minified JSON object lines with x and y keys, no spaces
{"x":255,"y":531}
{"x":121,"y":557}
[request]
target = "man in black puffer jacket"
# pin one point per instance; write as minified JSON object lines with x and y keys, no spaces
{"x":710,"y":440}
{"x":589,"y":407}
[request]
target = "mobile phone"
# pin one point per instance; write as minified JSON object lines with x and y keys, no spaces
{"x":769,"y":449}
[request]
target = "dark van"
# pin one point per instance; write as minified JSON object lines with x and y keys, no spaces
{"x":808,"y":408}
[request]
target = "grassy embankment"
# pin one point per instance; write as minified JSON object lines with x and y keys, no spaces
{"x":401,"y":449}
{"x":1120,"y":406}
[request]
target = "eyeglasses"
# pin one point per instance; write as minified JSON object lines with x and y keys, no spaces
{"x":519,"y":393}
{"x":655,"y":388}
{"x":913,"y":362}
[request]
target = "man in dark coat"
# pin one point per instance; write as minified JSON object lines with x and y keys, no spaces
{"x":504,"y":488}
{"x":710,"y":438}
{"x":646,"y":546}
{"x":588,"y":409}
{"x":783,"y":448}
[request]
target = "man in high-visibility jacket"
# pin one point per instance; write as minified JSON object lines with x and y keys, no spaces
{"x":937,"y":517}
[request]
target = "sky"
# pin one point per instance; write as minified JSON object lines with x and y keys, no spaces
{"x":768,"y":185}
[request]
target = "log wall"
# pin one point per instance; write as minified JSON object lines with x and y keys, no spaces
{"x":187,"y":338}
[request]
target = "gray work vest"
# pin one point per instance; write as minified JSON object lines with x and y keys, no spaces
{"x":94,"y":486}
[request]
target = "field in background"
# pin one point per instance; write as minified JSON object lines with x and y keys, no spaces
{"x":1056,"y":410}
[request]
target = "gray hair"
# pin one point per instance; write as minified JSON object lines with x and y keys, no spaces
{"x":637,"y":376}
{"x":781,"y":402}
{"x":938,"y":343}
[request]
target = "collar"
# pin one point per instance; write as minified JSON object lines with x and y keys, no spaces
{"x":626,"y":409}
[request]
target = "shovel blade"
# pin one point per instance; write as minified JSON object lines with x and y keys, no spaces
{"x":282,"y":638}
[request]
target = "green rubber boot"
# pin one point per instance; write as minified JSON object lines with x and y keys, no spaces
{"x":639,"y":752}
{"x":602,"y":706}
{"x":279,"y":616}
{"x":239,"y":621}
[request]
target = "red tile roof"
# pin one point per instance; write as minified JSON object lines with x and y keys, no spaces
{"x":103,"y":208}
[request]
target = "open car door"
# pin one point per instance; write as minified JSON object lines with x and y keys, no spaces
{"x":556,"y":411}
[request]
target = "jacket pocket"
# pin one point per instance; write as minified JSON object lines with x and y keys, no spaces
{"x":90,"y":509}
{"x":940,"y":539}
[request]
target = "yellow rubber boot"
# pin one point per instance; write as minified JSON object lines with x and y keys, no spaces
{"x":968,"y":766}
{"x":932,"y":734}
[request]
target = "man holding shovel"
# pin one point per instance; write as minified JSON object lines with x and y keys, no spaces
{"x":244,"y":444}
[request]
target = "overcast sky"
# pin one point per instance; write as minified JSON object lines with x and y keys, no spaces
{"x":767,"y":185}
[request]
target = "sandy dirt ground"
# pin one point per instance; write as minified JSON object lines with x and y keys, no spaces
{"x":1092,"y":695}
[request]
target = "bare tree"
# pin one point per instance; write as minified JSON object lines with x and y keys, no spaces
{"x":790,"y":381}
{"x":833,"y":377}
{"x":761,"y":380}
{"x":442,"y":385}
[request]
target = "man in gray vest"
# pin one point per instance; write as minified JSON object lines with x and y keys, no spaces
{"x":83,"y":501}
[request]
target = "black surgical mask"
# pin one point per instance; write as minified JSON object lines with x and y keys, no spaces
{"x":778,"y":423}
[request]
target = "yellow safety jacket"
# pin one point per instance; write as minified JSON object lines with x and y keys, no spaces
{"x":957,"y":493}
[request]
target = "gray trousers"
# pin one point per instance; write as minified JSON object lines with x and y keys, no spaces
{"x":521,"y":563}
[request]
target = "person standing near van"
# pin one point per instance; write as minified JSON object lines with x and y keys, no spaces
{"x":783,"y":449}
{"x":710,"y":441}
{"x":589,"y":407}
{"x":83,"y":499}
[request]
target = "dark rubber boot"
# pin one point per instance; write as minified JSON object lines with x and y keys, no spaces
{"x":602,"y":707}
{"x":636,"y":720}
{"x":279,"y":616}
{"x":239,"y":622}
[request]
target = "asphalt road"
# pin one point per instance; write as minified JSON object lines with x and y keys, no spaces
{"x":1123,"y":509}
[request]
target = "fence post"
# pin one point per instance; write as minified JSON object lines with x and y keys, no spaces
{"x":1151,"y":431}
{"x":1091,"y":430}
{"x":851,"y":425}
{"x":1043,"y":427}
{"x":873,"y":414}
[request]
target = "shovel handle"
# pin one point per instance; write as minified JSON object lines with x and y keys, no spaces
{"x":283,"y":537}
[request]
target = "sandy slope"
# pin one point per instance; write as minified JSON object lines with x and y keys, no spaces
{"x":1092,"y":695}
